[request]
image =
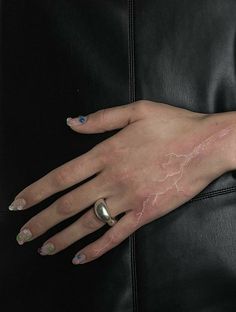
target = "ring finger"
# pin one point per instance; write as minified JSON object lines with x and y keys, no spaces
{"x":85,"y":225}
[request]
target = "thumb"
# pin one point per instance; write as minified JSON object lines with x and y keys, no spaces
{"x":106,"y":119}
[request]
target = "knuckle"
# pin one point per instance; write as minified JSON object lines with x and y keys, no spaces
{"x":113,"y":239}
{"x":102,"y":118}
{"x":64,"y":205}
{"x":109,"y":240}
{"x":60,"y":177}
{"x":143,"y":106}
{"x":122,"y":178}
{"x":106,"y":181}
{"x":37,"y":226}
{"x":94,"y":253}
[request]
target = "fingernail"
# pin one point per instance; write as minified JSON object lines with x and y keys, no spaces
{"x":17,"y":204}
{"x":78,"y":258}
{"x":76,"y":121}
{"x":23,"y":236}
{"x":46,"y":249}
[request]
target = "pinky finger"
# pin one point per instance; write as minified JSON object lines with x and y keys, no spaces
{"x":113,"y":237}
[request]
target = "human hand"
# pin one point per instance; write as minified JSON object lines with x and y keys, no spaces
{"x":163,"y":157}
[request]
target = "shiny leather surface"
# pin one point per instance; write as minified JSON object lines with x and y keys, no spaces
{"x":64,"y":58}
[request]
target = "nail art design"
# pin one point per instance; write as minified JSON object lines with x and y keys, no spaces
{"x":46,"y":249}
{"x":24,"y":236}
{"x":17,"y":204}
{"x":79,"y":258}
{"x":76,"y":121}
{"x":82,"y":119}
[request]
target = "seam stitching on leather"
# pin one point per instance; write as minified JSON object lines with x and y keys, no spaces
{"x":132,"y":99}
{"x":214,"y":193}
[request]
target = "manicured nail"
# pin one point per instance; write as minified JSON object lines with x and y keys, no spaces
{"x":78,"y":258}
{"x":46,"y":249}
{"x":76,"y":121}
{"x":17,"y":204}
{"x":24,"y":236}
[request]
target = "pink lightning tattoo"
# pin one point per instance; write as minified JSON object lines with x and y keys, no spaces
{"x":178,"y":174}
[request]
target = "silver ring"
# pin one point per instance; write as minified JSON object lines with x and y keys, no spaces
{"x":101,"y":211}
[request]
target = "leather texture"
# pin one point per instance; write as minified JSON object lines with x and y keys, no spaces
{"x":67,"y":57}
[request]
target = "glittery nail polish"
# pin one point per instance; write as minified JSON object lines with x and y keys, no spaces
{"x":17,"y":204}
{"x":79,"y":258}
{"x":23,"y":236}
{"x":46,"y":249}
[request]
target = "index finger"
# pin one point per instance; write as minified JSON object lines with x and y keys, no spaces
{"x":58,"y":179}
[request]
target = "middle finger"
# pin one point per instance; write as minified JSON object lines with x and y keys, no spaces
{"x":86,"y":224}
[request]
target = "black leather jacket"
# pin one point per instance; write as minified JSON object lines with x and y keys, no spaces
{"x":63,"y":58}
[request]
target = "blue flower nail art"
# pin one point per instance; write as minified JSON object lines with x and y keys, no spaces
{"x":82,"y":119}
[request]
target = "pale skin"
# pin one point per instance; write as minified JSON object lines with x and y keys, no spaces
{"x":161,"y":158}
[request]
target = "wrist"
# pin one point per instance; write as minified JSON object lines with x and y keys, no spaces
{"x":225,"y":148}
